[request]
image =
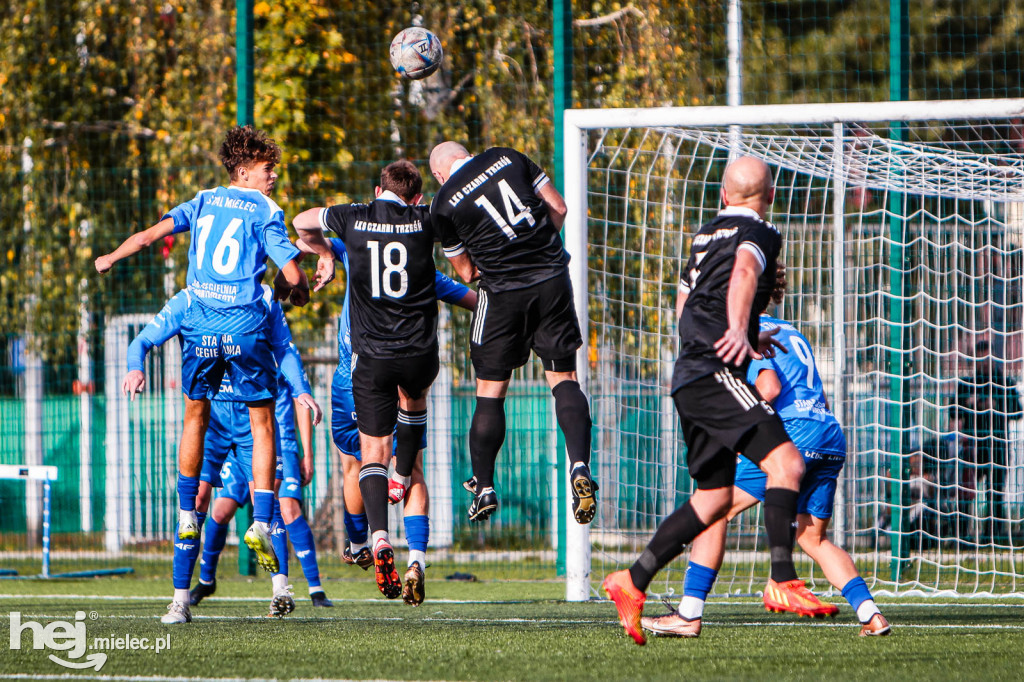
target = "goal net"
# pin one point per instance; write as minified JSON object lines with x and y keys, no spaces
{"x":903,"y":226}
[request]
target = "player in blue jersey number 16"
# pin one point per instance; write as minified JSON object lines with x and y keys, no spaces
{"x":234,"y":229}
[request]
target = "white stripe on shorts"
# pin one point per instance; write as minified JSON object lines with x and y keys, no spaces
{"x":739,"y":391}
{"x":744,"y":389}
{"x":481,"y":313}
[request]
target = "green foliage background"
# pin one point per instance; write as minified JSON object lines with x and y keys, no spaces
{"x":124,"y":103}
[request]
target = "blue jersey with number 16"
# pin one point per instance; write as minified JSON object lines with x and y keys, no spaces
{"x":234,"y":230}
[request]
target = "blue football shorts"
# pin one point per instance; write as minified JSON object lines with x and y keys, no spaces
{"x":247,"y":360}
{"x":229,"y":433}
{"x":823,"y":461}
{"x":344,"y":430}
{"x":236,"y":487}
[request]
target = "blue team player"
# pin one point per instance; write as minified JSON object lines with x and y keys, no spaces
{"x":234,"y":230}
{"x":289,"y":521}
{"x":345,"y":433}
{"x":789,"y":381}
{"x":229,"y":428}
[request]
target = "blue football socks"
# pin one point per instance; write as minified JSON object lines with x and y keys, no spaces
{"x":185,"y":554}
{"x":302,"y":541}
{"x":279,"y":538}
{"x":417,"y":534}
{"x":696,"y":586}
{"x":857,"y":593}
{"x":188,"y":488}
{"x":263,"y":506}
{"x":216,"y":537}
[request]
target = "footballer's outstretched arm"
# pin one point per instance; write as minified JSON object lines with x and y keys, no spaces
{"x":307,"y":226}
{"x":302,"y":246}
{"x":681,"y":296}
{"x":304,"y":425}
{"x":166,"y":325}
{"x":768,"y":385}
{"x":295,"y":277}
{"x":468,"y":301}
{"x":451,"y":292}
{"x":135,"y":243}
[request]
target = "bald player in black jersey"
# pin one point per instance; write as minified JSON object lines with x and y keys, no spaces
{"x":393,"y":313}
{"x":727,"y":281}
{"x":498,"y":216}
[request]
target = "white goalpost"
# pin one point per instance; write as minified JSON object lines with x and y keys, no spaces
{"x":903,"y":225}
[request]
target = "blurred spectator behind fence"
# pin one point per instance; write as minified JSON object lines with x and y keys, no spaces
{"x":924,"y":523}
{"x":1000,"y":314}
{"x":983,"y":405}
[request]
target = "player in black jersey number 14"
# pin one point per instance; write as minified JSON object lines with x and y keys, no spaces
{"x":498,"y":217}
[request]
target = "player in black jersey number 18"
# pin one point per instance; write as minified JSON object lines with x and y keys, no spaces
{"x":393,"y":316}
{"x":498,"y":217}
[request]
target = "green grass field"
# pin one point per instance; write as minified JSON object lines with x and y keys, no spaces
{"x":499,"y":630}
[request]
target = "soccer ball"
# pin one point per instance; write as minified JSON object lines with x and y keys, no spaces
{"x":416,"y":53}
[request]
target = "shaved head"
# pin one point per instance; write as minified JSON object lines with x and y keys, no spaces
{"x":747,"y":179}
{"x":443,"y":156}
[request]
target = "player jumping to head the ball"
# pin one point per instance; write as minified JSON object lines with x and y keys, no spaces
{"x":234,"y":230}
{"x":498,"y":216}
{"x":393,"y":315}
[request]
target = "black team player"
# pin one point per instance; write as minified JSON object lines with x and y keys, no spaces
{"x":393,"y":312}
{"x":726,"y":282}
{"x":498,"y":217}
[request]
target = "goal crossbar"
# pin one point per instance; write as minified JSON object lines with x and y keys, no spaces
{"x":788,"y":114}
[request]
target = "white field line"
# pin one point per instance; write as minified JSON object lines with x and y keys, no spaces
{"x":115,"y":597}
{"x":555,"y":621}
{"x":1019,"y":604}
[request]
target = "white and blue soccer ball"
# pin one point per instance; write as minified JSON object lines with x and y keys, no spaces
{"x":416,"y":52}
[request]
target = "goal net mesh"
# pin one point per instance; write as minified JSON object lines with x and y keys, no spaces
{"x":914,"y":316}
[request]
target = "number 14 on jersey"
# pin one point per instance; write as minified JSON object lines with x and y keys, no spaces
{"x":510,"y":199}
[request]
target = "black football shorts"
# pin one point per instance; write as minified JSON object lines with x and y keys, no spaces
{"x":375,"y":383}
{"x":723,"y":416}
{"x":508,"y":324}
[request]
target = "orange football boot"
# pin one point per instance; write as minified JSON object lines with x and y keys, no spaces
{"x":388,"y":582}
{"x":629,"y":601}
{"x":794,"y":597}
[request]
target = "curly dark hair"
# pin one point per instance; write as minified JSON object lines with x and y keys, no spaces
{"x":245,"y":146}
{"x":402,"y":178}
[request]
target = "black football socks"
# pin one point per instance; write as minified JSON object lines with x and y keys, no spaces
{"x":573,"y":413}
{"x":373,"y":486}
{"x":486,"y":435}
{"x":408,"y":436}
{"x":677,"y":530}
{"x":780,"y":526}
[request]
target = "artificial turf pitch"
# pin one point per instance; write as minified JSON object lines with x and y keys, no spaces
{"x":499,"y":630}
